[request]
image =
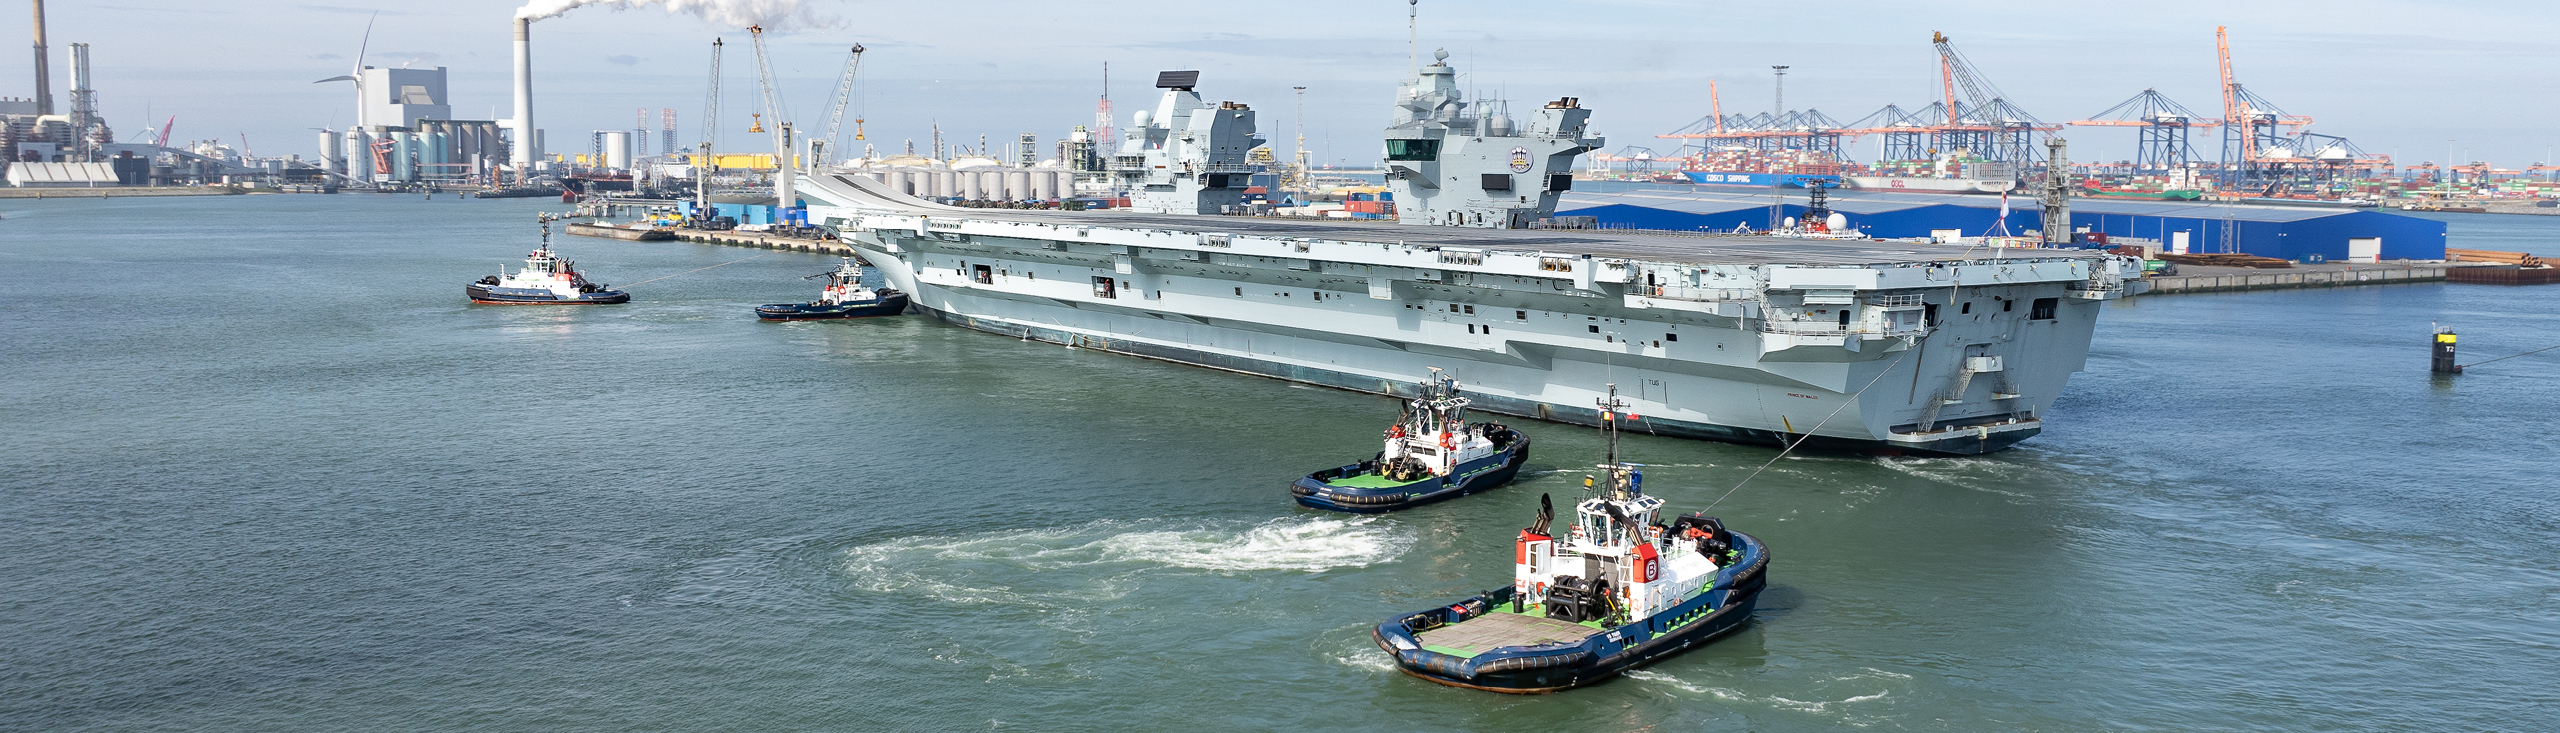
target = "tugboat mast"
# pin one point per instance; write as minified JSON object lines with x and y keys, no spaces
{"x":1621,"y":483}
{"x":1609,"y":408}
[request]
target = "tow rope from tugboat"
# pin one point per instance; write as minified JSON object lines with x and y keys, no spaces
{"x":1808,"y":433}
{"x":695,"y":270}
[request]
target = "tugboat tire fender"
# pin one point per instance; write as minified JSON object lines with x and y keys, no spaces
{"x":1529,"y":662}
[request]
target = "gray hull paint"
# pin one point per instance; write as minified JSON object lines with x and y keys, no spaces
{"x":1667,"y":397}
{"x":1766,"y":359}
{"x":1965,"y":444}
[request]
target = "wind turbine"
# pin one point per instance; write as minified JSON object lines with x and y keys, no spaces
{"x":358,"y":75}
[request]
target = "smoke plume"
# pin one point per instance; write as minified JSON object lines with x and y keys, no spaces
{"x":771,"y":14}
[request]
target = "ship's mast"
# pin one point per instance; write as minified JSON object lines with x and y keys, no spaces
{"x":1609,"y":423}
{"x":1412,"y":25}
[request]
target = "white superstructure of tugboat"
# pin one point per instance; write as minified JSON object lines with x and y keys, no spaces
{"x":1618,"y":589}
{"x":545,"y":280}
{"x":844,"y":297}
{"x":1433,"y":452}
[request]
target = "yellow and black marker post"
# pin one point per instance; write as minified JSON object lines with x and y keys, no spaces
{"x":2444,"y":353}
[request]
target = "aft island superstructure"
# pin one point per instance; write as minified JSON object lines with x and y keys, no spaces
{"x":1860,"y":344}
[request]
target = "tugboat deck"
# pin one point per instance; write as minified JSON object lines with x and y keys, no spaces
{"x":1370,"y":481}
{"x":1684,"y":249}
{"x":1500,"y":628}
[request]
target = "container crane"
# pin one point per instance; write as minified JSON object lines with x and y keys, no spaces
{"x":2163,"y":144}
{"x":819,"y":147}
{"x":710,"y":162}
{"x":784,"y":198}
{"x":1984,"y":121}
{"x":2260,"y":158}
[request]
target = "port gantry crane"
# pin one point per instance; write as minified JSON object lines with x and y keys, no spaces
{"x":1808,"y":134}
{"x":2258,"y":158}
{"x":820,"y":147}
{"x":2162,"y":145}
{"x":710,"y":161}
{"x":784,"y":198}
{"x":1984,"y":121}
{"x":1907,"y":135}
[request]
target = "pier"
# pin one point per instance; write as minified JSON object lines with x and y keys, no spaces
{"x":2193,"y":279}
{"x":727,"y":238}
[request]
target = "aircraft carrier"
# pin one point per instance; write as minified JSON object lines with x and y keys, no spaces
{"x":1848,"y":343}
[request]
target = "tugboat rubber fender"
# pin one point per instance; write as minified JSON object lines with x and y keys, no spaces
{"x":1529,"y":662}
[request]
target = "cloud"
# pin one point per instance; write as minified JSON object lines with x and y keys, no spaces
{"x":622,"y":60}
{"x":341,"y":9}
{"x":405,"y":59}
{"x":325,"y":57}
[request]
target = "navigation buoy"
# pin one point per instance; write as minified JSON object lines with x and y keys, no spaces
{"x":2444,"y":353}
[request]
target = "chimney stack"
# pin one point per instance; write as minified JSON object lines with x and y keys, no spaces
{"x":44,"y":75}
{"x":523,"y":155}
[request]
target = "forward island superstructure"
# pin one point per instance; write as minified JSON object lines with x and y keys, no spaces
{"x":1186,"y":157}
{"x":1860,"y":344}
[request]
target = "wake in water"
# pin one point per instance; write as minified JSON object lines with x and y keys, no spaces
{"x":991,"y":568}
{"x":1781,"y":702}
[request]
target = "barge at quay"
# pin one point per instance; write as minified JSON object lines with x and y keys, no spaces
{"x":1868,"y":345}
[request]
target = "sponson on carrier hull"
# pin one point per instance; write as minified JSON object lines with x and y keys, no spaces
{"x":1867,"y":345}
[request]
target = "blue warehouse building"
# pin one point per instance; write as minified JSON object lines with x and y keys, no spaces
{"x":2288,"y":232}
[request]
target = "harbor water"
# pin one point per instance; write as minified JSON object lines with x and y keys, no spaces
{"x":265,"y":469}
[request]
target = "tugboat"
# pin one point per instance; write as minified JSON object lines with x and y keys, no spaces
{"x":1432,"y":453}
{"x":1618,"y":590}
{"x":845,"y":297}
{"x":545,"y":280}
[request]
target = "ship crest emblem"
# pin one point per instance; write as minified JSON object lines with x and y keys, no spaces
{"x":1519,"y":160}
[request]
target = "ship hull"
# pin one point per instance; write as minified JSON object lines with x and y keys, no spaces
{"x":1990,"y":437}
{"x":1870,"y":347}
{"x":1931,"y":185}
{"x":1756,"y":180}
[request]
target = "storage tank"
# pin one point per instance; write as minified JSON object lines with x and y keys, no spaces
{"x":969,"y":190}
{"x":617,"y":149}
{"x":404,"y":153}
{"x":333,"y":151}
{"x":1017,"y":185}
{"x":1044,"y":185}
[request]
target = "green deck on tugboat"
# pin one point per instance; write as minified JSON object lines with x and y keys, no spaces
{"x":1370,"y":481}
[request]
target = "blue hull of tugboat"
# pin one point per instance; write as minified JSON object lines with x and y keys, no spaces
{"x":527,"y":296}
{"x":1316,"y":491}
{"x":1724,"y":608}
{"x":889,"y":305}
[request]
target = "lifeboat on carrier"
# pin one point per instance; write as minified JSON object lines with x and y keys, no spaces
{"x":1432,"y":453}
{"x":1616,"y":590}
{"x":545,"y":280}
{"x":844,"y":297}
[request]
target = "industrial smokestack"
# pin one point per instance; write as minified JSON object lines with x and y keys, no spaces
{"x":44,"y":75}
{"x":523,"y":156}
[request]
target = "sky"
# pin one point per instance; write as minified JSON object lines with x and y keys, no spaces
{"x":2417,"y":80}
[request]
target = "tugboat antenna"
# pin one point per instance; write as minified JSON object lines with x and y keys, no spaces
{"x":1609,"y":422}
